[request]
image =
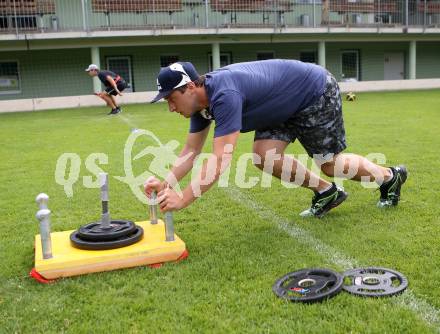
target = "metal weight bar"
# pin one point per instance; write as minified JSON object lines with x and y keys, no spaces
{"x":46,"y":243}
{"x":43,"y":215}
{"x":105,"y":216}
{"x":169,"y":226}
{"x":153,"y":208}
{"x":42,"y":200}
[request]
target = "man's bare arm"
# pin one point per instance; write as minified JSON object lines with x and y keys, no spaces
{"x":193,"y":146}
{"x":212,"y":168}
{"x":113,"y":83}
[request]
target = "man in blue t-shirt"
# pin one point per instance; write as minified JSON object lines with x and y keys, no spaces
{"x":114,"y":85}
{"x":281,"y":100}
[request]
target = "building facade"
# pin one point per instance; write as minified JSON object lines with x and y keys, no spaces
{"x":45,"y":45}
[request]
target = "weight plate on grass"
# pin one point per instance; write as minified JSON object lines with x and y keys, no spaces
{"x":308,"y":285}
{"x":123,"y":241}
{"x":98,"y":232}
{"x":374,"y":282}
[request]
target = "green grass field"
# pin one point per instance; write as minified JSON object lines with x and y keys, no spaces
{"x":240,"y":240}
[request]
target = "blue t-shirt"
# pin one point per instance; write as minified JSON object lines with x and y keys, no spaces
{"x":102,"y":75}
{"x":255,"y":95}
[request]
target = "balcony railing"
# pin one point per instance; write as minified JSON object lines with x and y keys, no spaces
{"x":21,"y":16}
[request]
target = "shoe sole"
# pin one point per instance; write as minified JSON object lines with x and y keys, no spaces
{"x":404,"y":176}
{"x":336,"y":203}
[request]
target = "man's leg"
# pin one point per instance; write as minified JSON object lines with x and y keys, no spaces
{"x":358,"y":168}
{"x":100,"y":95}
{"x":109,"y":100}
{"x":320,"y":128}
{"x":271,"y":159}
{"x":355,"y":167}
{"x":113,"y":101}
{"x":267,"y":148}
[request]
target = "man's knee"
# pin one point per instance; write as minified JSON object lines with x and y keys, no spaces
{"x":266,"y":153}
{"x":328,"y":168}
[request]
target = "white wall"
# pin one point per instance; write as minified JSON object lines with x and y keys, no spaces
{"x":71,"y":102}
{"x":145,"y":97}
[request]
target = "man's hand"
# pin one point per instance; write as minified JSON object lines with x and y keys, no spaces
{"x":153,"y":184}
{"x":169,"y":200}
{"x":119,"y":93}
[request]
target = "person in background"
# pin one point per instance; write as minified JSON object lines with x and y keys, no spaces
{"x":114,"y":85}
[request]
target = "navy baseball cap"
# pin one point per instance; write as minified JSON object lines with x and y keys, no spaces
{"x":174,"y":76}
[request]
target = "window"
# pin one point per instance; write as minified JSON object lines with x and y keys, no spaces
{"x":9,"y":77}
{"x":350,"y":65}
{"x":3,"y":22}
{"x":225,"y":59}
{"x":122,"y":66}
{"x":24,"y":22}
{"x":167,"y":60}
{"x":265,"y":55}
{"x":27,"y":7}
{"x":308,"y":56}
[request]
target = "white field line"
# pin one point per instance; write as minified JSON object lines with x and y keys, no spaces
{"x":126,"y":120}
{"x":408,"y":300}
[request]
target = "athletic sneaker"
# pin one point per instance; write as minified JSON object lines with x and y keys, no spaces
{"x":115,"y":111}
{"x":322,"y":203}
{"x":390,"y":190}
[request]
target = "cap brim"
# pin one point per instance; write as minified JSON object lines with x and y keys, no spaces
{"x":161,"y":96}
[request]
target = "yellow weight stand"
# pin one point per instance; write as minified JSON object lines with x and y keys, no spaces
{"x":56,"y":256}
{"x":70,"y":261}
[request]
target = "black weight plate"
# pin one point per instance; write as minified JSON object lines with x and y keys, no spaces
{"x":123,"y":241}
{"x":97,"y":232}
{"x":374,"y":282}
{"x":308,"y":285}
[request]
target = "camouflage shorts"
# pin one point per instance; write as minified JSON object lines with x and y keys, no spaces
{"x":319,"y":127}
